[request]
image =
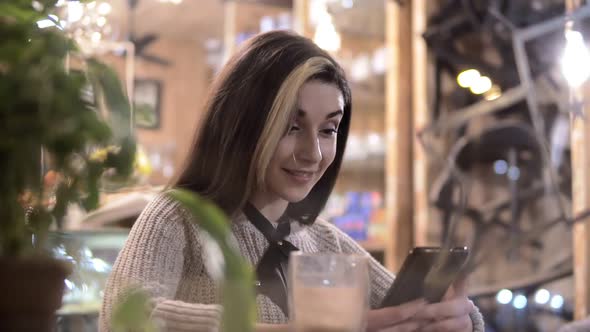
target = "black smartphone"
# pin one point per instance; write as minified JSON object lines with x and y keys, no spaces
{"x":427,"y":272}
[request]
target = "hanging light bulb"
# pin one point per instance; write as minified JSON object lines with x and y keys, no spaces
{"x":326,"y":36}
{"x":504,"y":296}
{"x":542,"y":296}
{"x":467,"y":78}
{"x":75,"y":11}
{"x":481,"y":85}
{"x":95,"y":37}
{"x":556,"y":302}
{"x":101,"y":21}
{"x":575,"y":62}
{"x":520,"y":301}
{"x":347,"y":4}
{"x":104,"y":8}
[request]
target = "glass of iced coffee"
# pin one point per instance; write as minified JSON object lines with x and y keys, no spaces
{"x":328,"y":292}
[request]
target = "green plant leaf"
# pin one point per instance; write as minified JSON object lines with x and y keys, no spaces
{"x":20,"y":13}
{"x":94,"y":170}
{"x":107,"y":85}
{"x":122,"y":160}
{"x":239,"y":305}
{"x":132,"y":313}
{"x":63,"y":195}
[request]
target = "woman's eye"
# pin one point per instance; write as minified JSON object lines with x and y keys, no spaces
{"x":330,"y":131}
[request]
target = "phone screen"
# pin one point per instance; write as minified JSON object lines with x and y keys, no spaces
{"x":426,"y":274}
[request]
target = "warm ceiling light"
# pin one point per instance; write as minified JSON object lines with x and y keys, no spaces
{"x":347,"y":3}
{"x":481,"y":85}
{"x":104,"y":8}
{"x":75,"y":11}
{"x":504,"y":296}
{"x":96,"y":36}
{"x":101,"y":21}
{"x":466,"y":78}
{"x":326,"y":36}
{"x":542,"y":296}
{"x":575,"y":62}
{"x":38,"y":6}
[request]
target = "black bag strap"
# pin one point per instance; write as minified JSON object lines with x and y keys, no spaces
{"x":271,"y":270}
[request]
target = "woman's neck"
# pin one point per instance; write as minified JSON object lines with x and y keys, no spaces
{"x":272,"y":208}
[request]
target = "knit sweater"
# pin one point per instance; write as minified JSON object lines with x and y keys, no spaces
{"x":164,"y":256}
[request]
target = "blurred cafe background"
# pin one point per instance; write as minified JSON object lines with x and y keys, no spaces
{"x":469,"y":124}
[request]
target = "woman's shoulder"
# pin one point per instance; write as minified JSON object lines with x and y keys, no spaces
{"x":163,"y":211}
{"x":163,"y":204}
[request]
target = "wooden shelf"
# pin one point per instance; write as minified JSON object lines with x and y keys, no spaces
{"x":371,"y":164}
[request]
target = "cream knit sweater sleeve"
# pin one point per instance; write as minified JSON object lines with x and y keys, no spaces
{"x":153,"y":259}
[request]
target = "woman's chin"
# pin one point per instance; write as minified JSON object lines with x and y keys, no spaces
{"x":295,"y":196}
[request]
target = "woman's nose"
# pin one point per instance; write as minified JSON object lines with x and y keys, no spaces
{"x":309,"y":149}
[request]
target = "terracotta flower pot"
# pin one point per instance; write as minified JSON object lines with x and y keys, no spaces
{"x":31,"y":291}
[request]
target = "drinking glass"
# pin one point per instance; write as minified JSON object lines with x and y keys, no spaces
{"x":328,"y":292}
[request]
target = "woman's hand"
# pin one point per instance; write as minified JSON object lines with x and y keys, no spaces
{"x":452,"y":314}
{"x":396,"y":319}
{"x":447,"y":316}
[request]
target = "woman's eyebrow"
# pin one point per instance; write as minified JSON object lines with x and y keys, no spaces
{"x":334,"y":114}
{"x":301,"y":113}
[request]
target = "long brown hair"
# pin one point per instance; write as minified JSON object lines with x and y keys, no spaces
{"x":248,"y":110}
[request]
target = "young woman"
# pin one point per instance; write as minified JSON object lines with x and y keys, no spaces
{"x":268,"y":153}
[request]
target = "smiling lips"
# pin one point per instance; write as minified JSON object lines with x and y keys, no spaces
{"x":300,"y":176}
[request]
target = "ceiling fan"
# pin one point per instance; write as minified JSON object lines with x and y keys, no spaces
{"x":141,"y":43}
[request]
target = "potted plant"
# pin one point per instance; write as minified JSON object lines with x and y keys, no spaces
{"x":48,"y":119}
{"x":51,"y":117}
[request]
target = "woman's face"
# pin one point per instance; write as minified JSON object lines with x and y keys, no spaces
{"x":309,"y":146}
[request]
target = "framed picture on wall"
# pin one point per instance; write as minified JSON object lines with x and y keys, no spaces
{"x":146,"y":100}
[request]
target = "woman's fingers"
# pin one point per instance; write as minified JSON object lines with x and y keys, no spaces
{"x":390,"y":316}
{"x":447,"y":309}
{"x":400,"y":313}
{"x":457,"y":289}
{"x":455,"y":324}
{"x":460,"y":287}
{"x":451,"y":315}
{"x":410,"y":326}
